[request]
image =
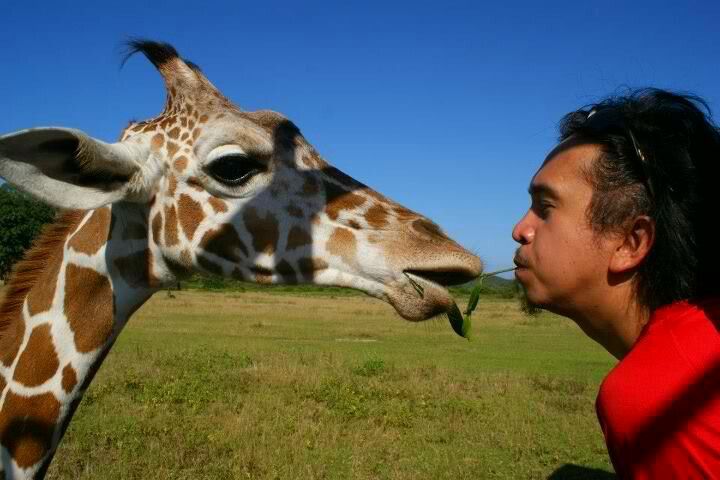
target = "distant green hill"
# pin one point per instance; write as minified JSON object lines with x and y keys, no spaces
{"x":491,"y":285}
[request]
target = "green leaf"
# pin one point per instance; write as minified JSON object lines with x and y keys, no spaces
{"x":459,"y":323}
{"x":474,"y":298}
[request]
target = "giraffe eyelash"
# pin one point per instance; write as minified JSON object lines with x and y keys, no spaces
{"x":234,"y":170}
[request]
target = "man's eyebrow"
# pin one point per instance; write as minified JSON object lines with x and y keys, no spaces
{"x":542,"y":189}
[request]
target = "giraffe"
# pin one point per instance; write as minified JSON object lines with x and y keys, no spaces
{"x":203,"y":187}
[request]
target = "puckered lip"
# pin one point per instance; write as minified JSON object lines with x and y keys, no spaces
{"x":519,"y":263}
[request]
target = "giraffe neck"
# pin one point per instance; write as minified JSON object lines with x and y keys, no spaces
{"x":60,"y":322}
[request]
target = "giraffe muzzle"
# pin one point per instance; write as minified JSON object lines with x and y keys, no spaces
{"x":423,"y":293}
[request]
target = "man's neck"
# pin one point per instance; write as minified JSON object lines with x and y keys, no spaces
{"x":613,"y":318}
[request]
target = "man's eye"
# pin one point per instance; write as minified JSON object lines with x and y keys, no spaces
{"x":542,"y":209}
{"x":234,"y":170}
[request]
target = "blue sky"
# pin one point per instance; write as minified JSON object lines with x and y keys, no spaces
{"x":447,"y":107}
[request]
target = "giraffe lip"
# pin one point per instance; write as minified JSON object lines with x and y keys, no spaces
{"x":419,"y":298}
{"x":443,"y":278}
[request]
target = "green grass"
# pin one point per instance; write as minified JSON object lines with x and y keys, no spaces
{"x":271,"y":386}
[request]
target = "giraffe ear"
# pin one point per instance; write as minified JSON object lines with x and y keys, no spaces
{"x":67,"y":168}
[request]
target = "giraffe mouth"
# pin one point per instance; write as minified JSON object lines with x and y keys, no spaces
{"x":422,"y":293}
{"x":445,"y":278}
{"x":419,"y":298}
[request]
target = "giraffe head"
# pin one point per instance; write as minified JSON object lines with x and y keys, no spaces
{"x":240,"y":194}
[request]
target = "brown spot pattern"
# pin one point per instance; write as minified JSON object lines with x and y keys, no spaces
{"x":172,"y":149}
{"x":156,"y":227}
{"x":404,"y":214}
{"x":343,"y":179}
{"x":339,"y":199}
{"x":262,"y":274}
{"x":181,"y":164}
{"x":171,"y":226}
{"x":38,"y":270}
{"x":172,"y":185}
{"x":137,"y":269}
{"x":194,"y":183}
{"x":191,"y":214}
{"x":218,"y":205}
{"x":311,"y":186}
{"x":39,"y":361}
{"x":41,"y":296}
{"x":429,"y":228}
{"x":27,"y":425}
{"x":69,"y":378}
{"x":157,"y":142}
{"x":93,"y":235}
{"x":298,"y":237}
{"x":295,"y":211}
{"x":90,"y":315}
{"x":264,"y":230}
{"x":134,"y":231}
{"x":13,"y":337}
{"x":376,"y":216}
{"x":174,"y":133}
{"x":309,"y":266}
{"x":224,"y":242}
{"x":343,"y":244}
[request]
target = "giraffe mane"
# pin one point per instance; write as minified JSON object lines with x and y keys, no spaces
{"x":26,"y":272}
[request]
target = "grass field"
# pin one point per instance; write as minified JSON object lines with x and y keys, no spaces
{"x":287,"y":386}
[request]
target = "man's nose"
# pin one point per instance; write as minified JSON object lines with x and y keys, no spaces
{"x":523,"y":232}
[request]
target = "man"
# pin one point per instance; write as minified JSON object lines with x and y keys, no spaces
{"x":620,"y":237}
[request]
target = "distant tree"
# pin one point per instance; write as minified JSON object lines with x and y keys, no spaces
{"x":21,"y":219}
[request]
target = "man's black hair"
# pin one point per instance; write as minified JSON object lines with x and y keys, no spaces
{"x":661,"y":158}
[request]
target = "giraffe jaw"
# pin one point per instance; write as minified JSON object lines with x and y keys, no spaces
{"x":418,"y":304}
{"x":399,"y":293}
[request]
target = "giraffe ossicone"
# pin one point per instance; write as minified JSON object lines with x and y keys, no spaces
{"x":203,"y":187}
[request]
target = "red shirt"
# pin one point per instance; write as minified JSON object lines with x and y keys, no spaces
{"x":659,"y":408}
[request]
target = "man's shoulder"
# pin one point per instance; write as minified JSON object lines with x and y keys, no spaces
{"x":679,"y":342}
{"x":678,"y":351}
{"x":662,"y":400}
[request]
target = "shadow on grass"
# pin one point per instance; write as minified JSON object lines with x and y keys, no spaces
{"x":576,"y":472}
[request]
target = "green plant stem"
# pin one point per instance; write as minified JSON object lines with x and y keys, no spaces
{"x":497,"y":272}
{"x":475,"y":293}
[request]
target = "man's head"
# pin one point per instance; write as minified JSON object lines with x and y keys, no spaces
{"x":627,"y":197}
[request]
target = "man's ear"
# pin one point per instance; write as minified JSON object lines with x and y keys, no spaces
{"x":68,"y":169}
{"x":635,"y":246}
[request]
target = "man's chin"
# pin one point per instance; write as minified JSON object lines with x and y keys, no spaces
{"x":527,"y":305}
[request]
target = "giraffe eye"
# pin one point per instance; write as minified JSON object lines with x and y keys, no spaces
{"x":235,"y":169}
